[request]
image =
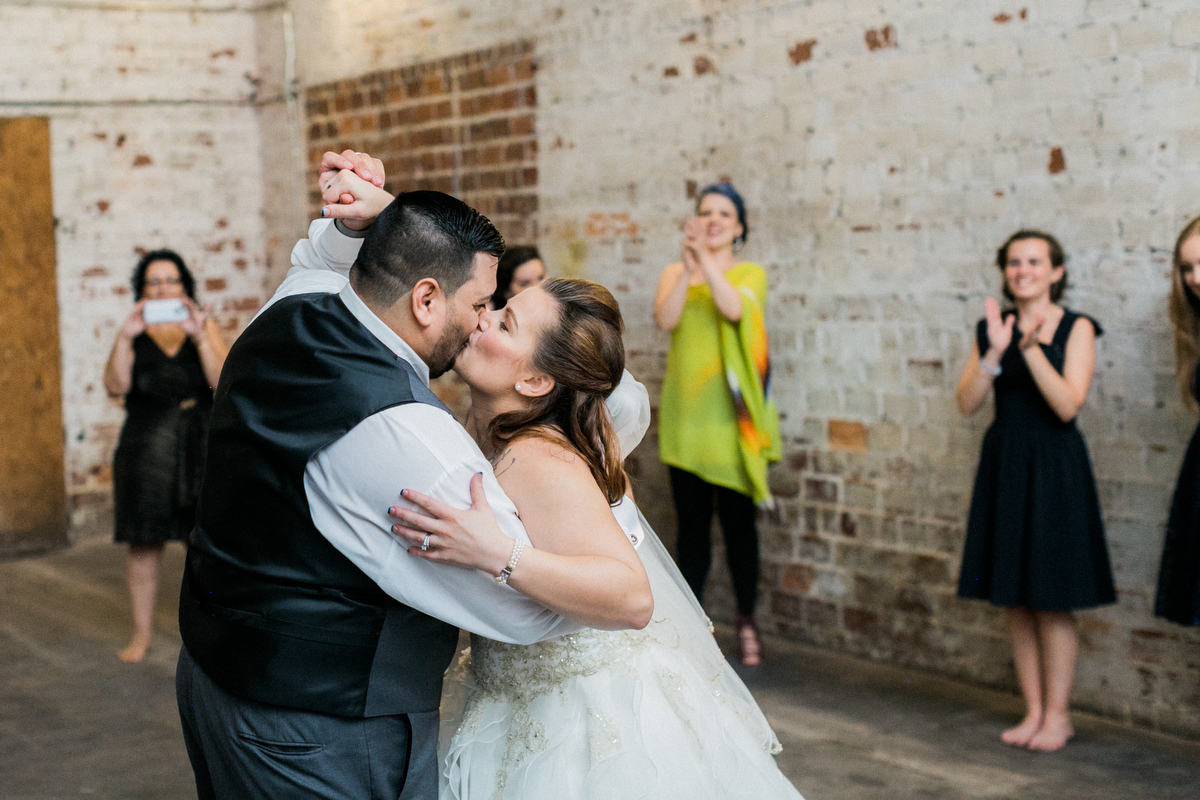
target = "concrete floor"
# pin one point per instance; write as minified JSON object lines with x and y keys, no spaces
{"x":74,"y":721}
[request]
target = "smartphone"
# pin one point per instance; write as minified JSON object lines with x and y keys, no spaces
{"x":158,"y":311}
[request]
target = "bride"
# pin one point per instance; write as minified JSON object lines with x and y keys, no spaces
{"x":654,"y":713}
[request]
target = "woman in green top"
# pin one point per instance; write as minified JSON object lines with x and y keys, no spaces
{"x":717,"y":429}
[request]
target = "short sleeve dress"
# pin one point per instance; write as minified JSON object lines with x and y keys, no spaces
{"x":1035,"y":538}
{"x":158,"y":463}
{"x":1178,"y":598}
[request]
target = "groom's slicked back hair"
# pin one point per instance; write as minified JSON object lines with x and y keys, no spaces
{"x":421,"y":235}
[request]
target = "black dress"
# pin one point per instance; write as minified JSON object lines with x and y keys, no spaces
{"x":157,"y":466}
{"x":1179,"y":576}
{"x":1035,"y":538}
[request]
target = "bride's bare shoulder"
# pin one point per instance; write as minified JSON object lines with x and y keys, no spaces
{"x":541,"y":460}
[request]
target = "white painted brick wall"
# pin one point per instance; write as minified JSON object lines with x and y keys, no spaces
{"x":879,"y":184}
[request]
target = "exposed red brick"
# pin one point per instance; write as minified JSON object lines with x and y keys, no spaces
{"x":102,"y":206}
{"x":864,"y":228}
{"x":240,"y":264}
{"x":860,"y":620}
{"x":142,"y":160}
{"x":222,"y":223}
{"x":702,"y":65}
{"x":95,"y":272}
{"x":214,"y":284}
{"x":228,"y":52}
{"x":690,"y":189}
{"x":1001,"y":18}
{"x":1058,"y":162}
{"x":690,"y":38}
{"x":1024,"y":13}
{"x":242,"y":304}
{"x":881,"y":38}
{"x":797,"y":578}
{"x":801,"y":52}
{"x":671,"y":72}
{"x":847,"y":435}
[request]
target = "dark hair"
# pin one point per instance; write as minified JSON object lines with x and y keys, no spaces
{"x":1057,"y":259}
{"x":1185,"y":317}
{"x":586,"y":357}
{"x":513,"y":258}
{"x":143,"y":264}
{"x":420,"y":235}
{"x":725,"y":189}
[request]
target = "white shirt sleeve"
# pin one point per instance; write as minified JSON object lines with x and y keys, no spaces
{"x":351,"y":484}
{"x":320,"y":264}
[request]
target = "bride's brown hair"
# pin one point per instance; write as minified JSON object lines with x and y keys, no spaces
{"x":585,"y":356}
{"x":1185,"y":316}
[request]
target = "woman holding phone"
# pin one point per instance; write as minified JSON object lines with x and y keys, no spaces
{"x":165,"y":364}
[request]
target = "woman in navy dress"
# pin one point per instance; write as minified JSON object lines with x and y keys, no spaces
{"x":1178,"y":597}
{"x":1035,"y":540}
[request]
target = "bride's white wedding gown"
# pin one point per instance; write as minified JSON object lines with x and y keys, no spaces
{"x":656,"y":713}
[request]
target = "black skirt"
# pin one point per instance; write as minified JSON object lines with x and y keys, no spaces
{"x":1178,"y":597}
{"x":159,"y":459}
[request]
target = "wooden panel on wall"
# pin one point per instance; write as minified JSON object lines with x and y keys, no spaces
{"x":33,"y":507}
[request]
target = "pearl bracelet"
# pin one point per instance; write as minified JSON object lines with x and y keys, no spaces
{"x":506,"y":573}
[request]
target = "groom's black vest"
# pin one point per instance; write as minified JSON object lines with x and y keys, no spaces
{"x":269,"y":609}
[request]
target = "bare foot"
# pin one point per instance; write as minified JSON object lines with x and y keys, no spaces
{"x":1056,"y":730}
{"x":136,"y":650}
{"x":1022,"y":734}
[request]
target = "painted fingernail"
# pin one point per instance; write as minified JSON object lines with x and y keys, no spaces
{"x":395,"y":529}
{"x":392,"y":510}
{"x":404,"y":492}
{"x":324,"y":212}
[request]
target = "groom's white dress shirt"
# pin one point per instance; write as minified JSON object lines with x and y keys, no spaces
{"x":351,"y":483}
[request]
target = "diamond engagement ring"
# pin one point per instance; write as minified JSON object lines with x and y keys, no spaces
{"x":425,"y":544}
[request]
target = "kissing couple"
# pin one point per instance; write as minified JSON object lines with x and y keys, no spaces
{"x":348,"y":527}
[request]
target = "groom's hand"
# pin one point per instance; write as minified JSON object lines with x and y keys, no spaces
{"x":361,"y":164}
{"x":351,"y":199}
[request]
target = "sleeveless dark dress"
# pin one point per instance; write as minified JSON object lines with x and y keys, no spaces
{"x":1035,"y":538}
{"x":1178,"y":597}
{"x":157,"y":466}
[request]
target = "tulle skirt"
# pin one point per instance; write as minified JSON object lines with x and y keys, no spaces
{"x":601,"y":715}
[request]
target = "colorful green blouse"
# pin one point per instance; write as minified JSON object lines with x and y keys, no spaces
{"x":715,"y":417}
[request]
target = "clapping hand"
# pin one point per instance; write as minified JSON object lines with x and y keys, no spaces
{"x":690,"y":246}
{"x":999,"y":332}
{"x":1032,"y":336}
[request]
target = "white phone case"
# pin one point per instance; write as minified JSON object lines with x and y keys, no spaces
{"x":159,"y":311}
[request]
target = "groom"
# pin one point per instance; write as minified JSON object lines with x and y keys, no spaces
{"x":313,"y":644}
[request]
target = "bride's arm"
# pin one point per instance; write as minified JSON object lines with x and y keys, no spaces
{"x":582,"y":566}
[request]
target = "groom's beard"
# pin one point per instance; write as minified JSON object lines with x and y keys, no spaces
{"x":441,"y":360}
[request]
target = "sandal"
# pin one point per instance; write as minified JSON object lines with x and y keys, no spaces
{"x":750,"y":649}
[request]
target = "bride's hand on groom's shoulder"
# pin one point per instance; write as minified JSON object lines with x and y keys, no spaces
{"x":351,"y":188}
{"x":467,"y":537}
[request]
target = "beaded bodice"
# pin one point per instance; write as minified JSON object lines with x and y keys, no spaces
{"x":520,"y":671}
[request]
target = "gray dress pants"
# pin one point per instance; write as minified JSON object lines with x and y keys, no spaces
{"x":244,"y":750}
